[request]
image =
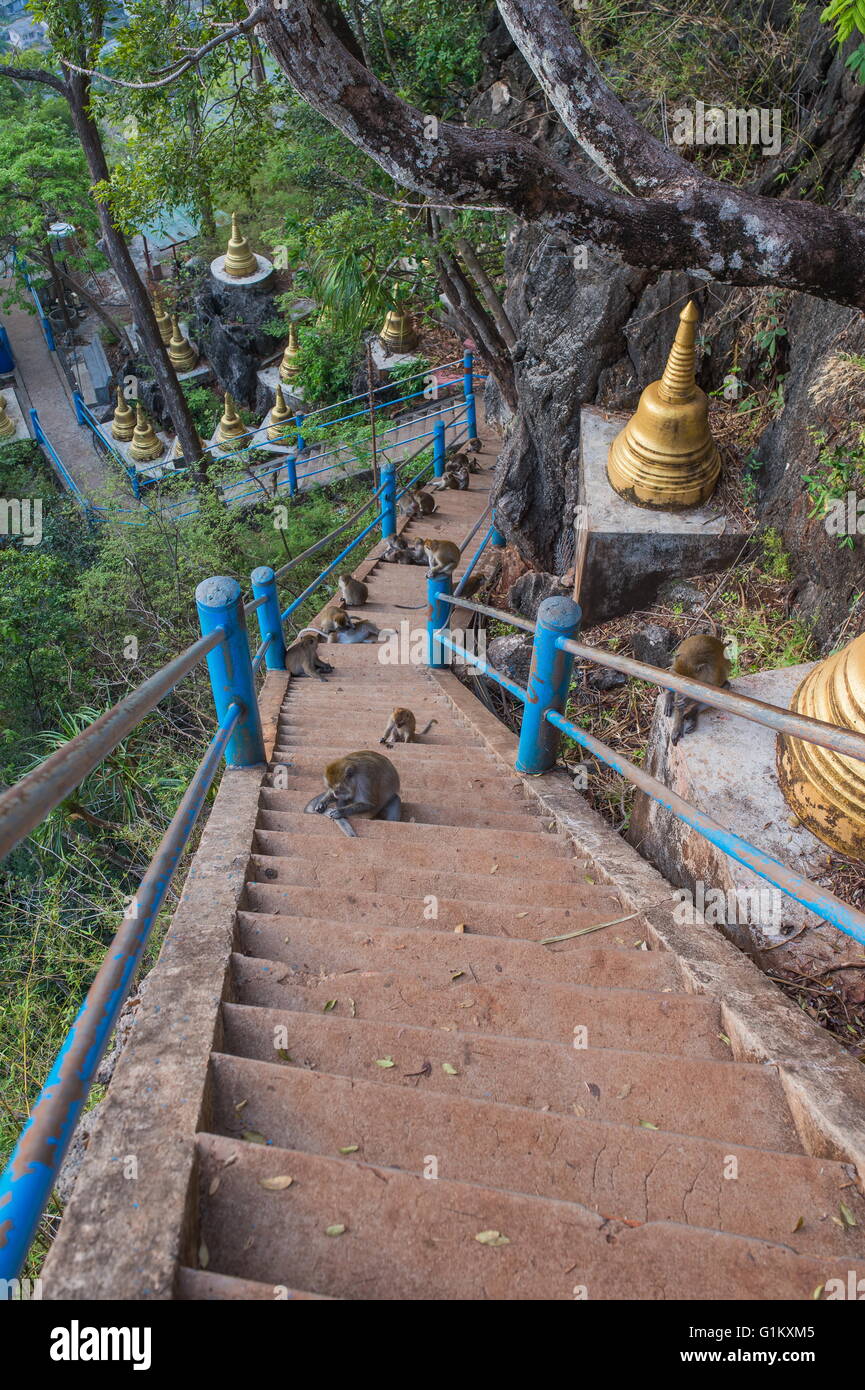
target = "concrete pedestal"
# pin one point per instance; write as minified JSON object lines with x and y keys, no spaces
{"x":152,"y":471}
{"x":632,"y":550}
{"x":259,"y":281}
{"x":385,"y":362}
{"x":726,"y":768}
{"x":269,"y":378}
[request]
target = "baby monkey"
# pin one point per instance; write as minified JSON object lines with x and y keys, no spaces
{"x":399,"y":552}
{"x":360,"y":784}
{"x":417,"y":503}
{"x":354,"y":592}
{"x":402,"y":728}
{"x":702,"y":658}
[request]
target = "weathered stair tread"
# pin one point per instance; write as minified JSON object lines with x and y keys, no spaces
{"x":682,"y":1024}
{"x":529,"y":890}
{"x":394,"y":910}
{"x":540,"y":845}
{"x":738,"y":1101}
{"x":423,"y":810}
{"x":320,"y":947}
{"x":431,"y":855}
{"x":621,"y":1171}
{"x":204,"y":1285}
{"x":410,"y":1238}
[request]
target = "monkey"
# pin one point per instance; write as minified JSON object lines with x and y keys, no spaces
{"x":399,"y":552}
{"x":354,"y":592}
{"x":357,"y":632}
{"x":301,"y":658}
{"x":702,"y":658}
{"x":442,"y":556}
{"x":359,"y":784}
{"x":402,"y":728}
{"x":417,"y":503}
{"x":456,"y":475}
{"x":335,"y":620}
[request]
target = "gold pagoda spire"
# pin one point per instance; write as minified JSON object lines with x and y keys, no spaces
{"x":180,"y":350}
{"x":279,"y":416}
{"x":239,"y":258}
{"x":163,"y":322}
{"x":665,"y":456}
{"x":123,"y":420}
{"x":230,"y":426}
{"x":146,"y":444}
{"x":288,"y":367}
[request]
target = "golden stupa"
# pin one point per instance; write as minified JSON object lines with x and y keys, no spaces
{"x":230,"y":426}
{"x":288,"y":368}
{"x":123,"y":419}
{"x":665,"y":456}
{"x":398,"y":333}
{"x":177,"y":452}
{"x":239,"y":258}
{"x":146,"y":444}
{"x":280,"y":417}
{"x":826,"y":789}
{"x":163,"y":322}
{"x":180,"y":350}
{"x":7,"y":424}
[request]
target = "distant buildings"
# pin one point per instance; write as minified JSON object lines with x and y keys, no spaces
{"x":27,"y":32}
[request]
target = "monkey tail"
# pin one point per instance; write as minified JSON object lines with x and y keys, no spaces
{"x":317,"y":630}
{"x":428,"y":727}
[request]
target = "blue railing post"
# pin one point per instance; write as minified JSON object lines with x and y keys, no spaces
{"x":298,"y":421}
{"x":547,"y":688}
{"x":439,"y":448}
{"x":496,"y":537}
{"x":469,"y":396}
{"x":78,"y":402}
{"x":269,"y":619}
{"x":438,"y":615}
{"x":291,"y":470}
{"x":388,"y":501}
{"x":220,"y":605}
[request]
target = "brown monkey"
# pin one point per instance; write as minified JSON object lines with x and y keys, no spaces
{"x":360,"y":784}
{"x":399,"y":552}
{"x":402,"y":728}
{"x":442,"y":556}
{"x":334,"y":620}
{"x":702,"y":658}
{"x":301,"y":658}
{"x":426,"y":503}
{"x":357,"y":632}
{"x":354,"y":592}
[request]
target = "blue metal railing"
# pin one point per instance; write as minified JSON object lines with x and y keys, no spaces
{"x":543,"y":720}
{"x":27,"y":1183}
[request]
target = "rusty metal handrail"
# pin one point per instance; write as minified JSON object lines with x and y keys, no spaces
{"x":28,"y":802}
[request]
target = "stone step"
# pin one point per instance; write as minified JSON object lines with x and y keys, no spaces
{"x":423,"y":812}
{"x":322,"y":948}
{"x":409,"y":1238}
{"x":620,"y":1171}
{"x":382,"y":875}
{"x":205,"y":1286}
{"x":685,"y":1025}
{"x":431,"y":857}
{"x":543,"y":844}
{"x":418,"y":781}
{"x":695,"y":1096}
{"x":396,"y":910}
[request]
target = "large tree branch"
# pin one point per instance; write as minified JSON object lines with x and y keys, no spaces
{"x":729,"y":233}
{"x":49,"y":79}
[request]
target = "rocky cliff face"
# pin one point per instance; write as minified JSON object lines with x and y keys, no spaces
{"x":591,"y":330}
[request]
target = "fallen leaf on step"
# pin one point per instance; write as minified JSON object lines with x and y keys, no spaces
{"x":203,"y":1256}
{"x":491,"y":1238}
{"x":647,"y":1124}
{"x":385,"y":1062}
{"x":349,"y":1148}
{"x":799,"y":1224}
{"x":522,"y":914}
{"x":240,"y":1104}
{"x":494,"y":869}
{"x":252,"y":1137}
{"x":449,"y":1069}
{"x":456,"y":974}
{"x":725,"y":1039}
{"x":578,"y":1110}
{"x":232,"y":1158}
{"x":331,"y":1004}
{"x":282,"y":1055}
{"x":278,"y":1184}
{"x":817,"y":1292}
{"x":214,"y":1185}
{"x":353,"y":1007}
{"x":849,"y":1218}
{"x":334,"y":1230}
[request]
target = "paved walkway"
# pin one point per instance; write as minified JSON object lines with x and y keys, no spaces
{"x":47,"y":389}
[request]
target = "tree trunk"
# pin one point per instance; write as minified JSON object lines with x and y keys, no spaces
{"x":488,"y":290}
{"x":474,"y":320}
{"x":124,"y":267}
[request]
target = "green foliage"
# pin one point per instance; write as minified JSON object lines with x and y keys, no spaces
{"x":776,"y":560}
{"x":844,"y":16}
{"x":402,"y":373}
{"x":326,"y":363}
{"x":840,"y":469}
{"x":433,"y":49}
{"x":203,"y":407}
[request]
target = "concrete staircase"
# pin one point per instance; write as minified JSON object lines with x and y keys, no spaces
{"x":464,"y":1112}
